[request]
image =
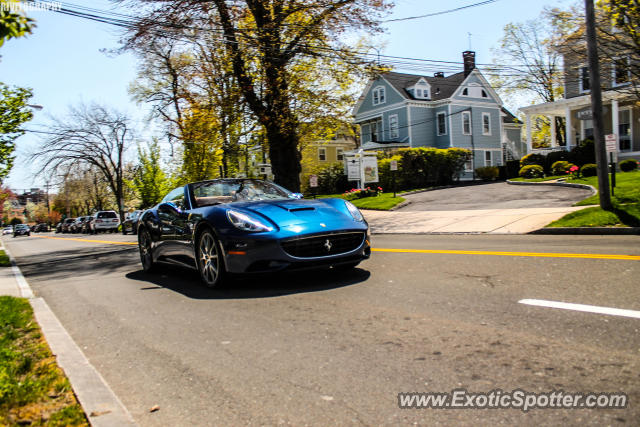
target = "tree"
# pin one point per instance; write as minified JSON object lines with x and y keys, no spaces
{"x":150,"y":181}
{"x":537,"y":64}
{"x":13,"y":113}
{"x":89,"y":137}
{"x":13,"y":24}
{"x":264,"y":40}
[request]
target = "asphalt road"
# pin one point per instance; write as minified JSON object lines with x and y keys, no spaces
{"x":498,"y":195}
{"x":328,"y":349}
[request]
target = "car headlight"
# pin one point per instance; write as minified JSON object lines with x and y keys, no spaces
{"x":246,"y":222}
{"x":355,"y":212}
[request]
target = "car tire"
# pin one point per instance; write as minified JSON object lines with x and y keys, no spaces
{"x":209,"y":259}
{"x":124,"y":231}
{"x":146,"y":252}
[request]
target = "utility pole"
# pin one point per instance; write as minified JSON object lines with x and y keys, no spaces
{"x":596,"y":107}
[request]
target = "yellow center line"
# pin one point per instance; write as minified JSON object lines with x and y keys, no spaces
{"x":430,"y":251}
{"x":515,"y":254}
{"x":87,"y":240}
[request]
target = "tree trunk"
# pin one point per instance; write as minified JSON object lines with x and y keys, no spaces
{"x":284,"y":156}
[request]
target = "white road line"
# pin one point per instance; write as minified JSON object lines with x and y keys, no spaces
{"x":582,"y":307}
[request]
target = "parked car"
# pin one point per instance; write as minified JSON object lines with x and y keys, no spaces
{"x":130,"y":223}
{"x":41,"y":227}
{"x":250,"y":226}
{"x":66,"y":225}
{"x":86,"y":225}
{"x":7,"y":230}
{"x":106,"y":221}
{"x":76,"y":226}
{"x":21,"y":230}
{"x":59,"y":227}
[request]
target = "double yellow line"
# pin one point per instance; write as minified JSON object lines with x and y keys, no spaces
{"x":432,"y":251}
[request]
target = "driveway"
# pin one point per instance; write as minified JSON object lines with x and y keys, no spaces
{"x":497,"y":208}
{"x":495,"y":196}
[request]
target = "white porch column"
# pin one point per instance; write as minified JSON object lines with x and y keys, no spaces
{"x":569,"y":128}
{"x":553,"y":131}
{"x":615,"y":121}
{"x":529,"y":135}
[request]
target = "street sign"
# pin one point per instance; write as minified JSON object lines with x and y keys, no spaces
{"x":393,"y":165}
{"x":611,"y":143}
{"x":313,"y":181}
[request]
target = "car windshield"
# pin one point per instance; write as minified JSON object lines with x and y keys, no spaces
{"x":236,"y":190}
{"x":21,"y":226}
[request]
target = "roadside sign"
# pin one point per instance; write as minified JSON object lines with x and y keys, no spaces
{"x":353,"y":169}
{"x":313,"y":181}
{"x":370,"y":165}
{"x":611,"y":143}
{"x":393,"y":165}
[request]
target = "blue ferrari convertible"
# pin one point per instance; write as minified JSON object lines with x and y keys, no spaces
{"x":250,"y":226}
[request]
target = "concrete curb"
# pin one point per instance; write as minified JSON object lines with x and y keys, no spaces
{"x":100,"y":403}
{"x":557,"y":184}
{"x":606,"y":231}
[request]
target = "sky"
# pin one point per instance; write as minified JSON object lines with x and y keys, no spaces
{"x":67,"y":60}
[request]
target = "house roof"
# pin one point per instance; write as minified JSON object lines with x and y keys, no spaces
{"x":508,"y":117}
{"x":441,"y":87}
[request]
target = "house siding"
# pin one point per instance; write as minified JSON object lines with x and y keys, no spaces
{"x":441,"y":141}
{"x":423,"y":130}
{"x":391,"y":97}
{"x":474,"y":80}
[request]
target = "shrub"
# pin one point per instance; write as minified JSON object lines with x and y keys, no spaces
{"x":628,"y":165}
{"x":555,"y":156}
{"x":532,"y":171}
{"x":561,"y":167}
{"x":488,"y":173}
{"x":359,"y":193}
{"x":589,"y":170}
{"x":533,"y":159}
{"x":423,"y":167}
{"x":583,"y":153}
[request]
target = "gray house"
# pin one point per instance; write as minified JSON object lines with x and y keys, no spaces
{"x":461,"y":110}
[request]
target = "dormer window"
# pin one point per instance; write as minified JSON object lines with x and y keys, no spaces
{"x":420,"y":90}
{"x":379,"y":95}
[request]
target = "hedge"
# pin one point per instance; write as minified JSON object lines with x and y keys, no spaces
{"x":628,"y":165}
{"x":532,"y":171}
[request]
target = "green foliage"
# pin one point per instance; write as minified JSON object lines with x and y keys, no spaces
{"x":13,"y":113}
{"x":627,"y":188}
{"x":531,"y":171}
{"x":620,"y":216}
{"x":583,"y":153}
{"x":561,"y":167}
{"x":383,"y":202}
{"x":424,"y":167}
{"x":488,"y":173}
{"x":332,"y":180}
{"x":13,"y":25}
{"x":4,"y":259}
{"x":149,"y":180}
{"x":533,"y":159}
{"x":628,"y":165}
{"x":360,"y":193}
{"x":15,"y":221}
{"x":588,"y":170}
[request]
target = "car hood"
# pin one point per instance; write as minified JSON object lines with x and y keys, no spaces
{"x":312,"y":215}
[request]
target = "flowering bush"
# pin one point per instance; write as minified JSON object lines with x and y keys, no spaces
{"x":359,"y":193}
{"x":574,"y":171}
{"x":561,"y":167}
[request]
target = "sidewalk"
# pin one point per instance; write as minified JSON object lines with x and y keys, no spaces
{"x":494,"y":221}
{"x":101,"y":405}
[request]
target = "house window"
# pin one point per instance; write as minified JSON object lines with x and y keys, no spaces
{"x":393,"y":126}
{"x":418,"y":93}
{"x":466,"y":123}
{"x":379,"y":95}
{"x":585,"y":84}
{"x":484,"y":94}
{"x":322,"y":154}
{"x":486,"y":124}
{"x":468,"y":165}
{"x":621,"y":71}
{"x":587,"y":129}
{"x":376,"y":130}
{"x":339,"y":154}
{"x":487,"y":158}
{"x":442,"y":124}
{"x":465,"y":92}
{"x":624,"y":129}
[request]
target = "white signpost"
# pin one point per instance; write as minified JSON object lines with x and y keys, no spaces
{"x":610,"y":141}
{"x":362,"y":167}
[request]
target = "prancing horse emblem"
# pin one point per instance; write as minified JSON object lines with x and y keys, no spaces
{"x":327,"y":244}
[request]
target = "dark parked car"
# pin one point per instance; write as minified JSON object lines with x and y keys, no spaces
{"x":250,"y":226}
{"x":59,"y":227}
{"x":21,"y":230}
{"x":66,"y":225}
{"x":86,"y":225}
{"x":130,"y":223}
{"x":42,"y":227}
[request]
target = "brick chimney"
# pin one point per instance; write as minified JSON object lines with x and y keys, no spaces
{"x":439,"y":74}
{"x":469,"y":59}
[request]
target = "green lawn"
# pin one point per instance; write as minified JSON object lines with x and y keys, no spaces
{"x":546,"y":178}
{"x":383,"y":202}
{"x":4,"y":260}
{"x":627,"y":188}
{"x":33,"y":389}
{"x":621,"y":216}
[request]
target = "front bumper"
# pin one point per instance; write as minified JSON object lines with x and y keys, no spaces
{"x":252,"y":254}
